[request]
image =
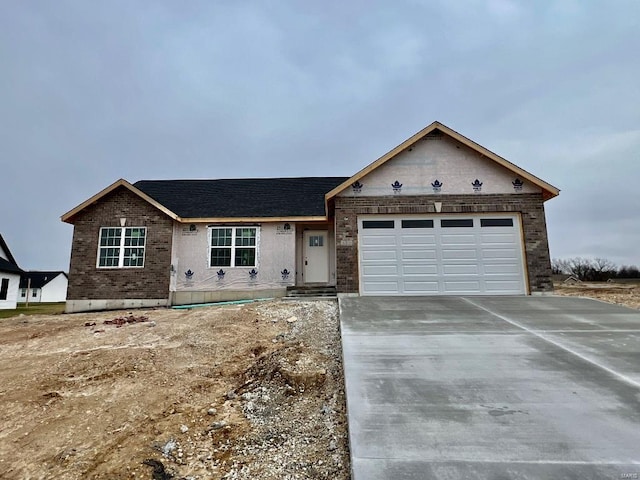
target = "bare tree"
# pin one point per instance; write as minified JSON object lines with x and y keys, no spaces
{"x":559,"y":266}
{"x":602,"y":269}
{"x":579,"y":267}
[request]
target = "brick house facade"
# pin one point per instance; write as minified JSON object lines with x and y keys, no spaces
{"x":529,"y":206}
{"x":106,"y":286}
{"x":208,"y":240}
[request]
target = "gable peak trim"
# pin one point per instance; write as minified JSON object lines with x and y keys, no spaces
{"x":435,"y":130}
{"x":69,"y":216}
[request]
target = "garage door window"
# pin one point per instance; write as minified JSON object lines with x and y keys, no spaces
{"x":496,"y":222}
{"x":378,"y":224}
{"x":458,"y":222}
{"x":417,"y":223}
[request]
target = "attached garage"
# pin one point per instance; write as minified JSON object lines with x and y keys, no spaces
{"x":441,"y":255}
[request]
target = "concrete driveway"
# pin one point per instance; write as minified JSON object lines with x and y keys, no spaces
{"x":491,"y":388}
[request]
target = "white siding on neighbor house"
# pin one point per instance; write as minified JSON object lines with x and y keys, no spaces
{"x":276,"y":252}
{"x":55,"y":290}
{"x":34,"y":295}
{"x":12,"y":294}
{"x":444,"y":159}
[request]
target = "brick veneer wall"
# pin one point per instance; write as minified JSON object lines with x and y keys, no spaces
{"x":530,"y":207}
{"x":86,"y":282}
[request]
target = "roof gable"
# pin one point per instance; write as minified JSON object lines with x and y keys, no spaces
{"x":548,"y":190}
{"x":7,"y":262}
{"x":38,"y":278}
{"x":69,"y":216}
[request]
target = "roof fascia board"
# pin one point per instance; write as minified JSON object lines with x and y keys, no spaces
{"x":67,"y":217}
{"x":251,"y":219}
{"x":549,"y":191}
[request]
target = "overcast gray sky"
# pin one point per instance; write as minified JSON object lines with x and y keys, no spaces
{"x":94,"y":91}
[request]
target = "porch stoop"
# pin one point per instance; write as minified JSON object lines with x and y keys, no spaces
{"x":310,"y":291}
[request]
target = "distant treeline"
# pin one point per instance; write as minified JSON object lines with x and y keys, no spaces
{"x":593,"y":269}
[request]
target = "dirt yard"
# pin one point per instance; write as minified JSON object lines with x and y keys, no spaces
{"x":238,"y":392}
{"x":622,"y":294}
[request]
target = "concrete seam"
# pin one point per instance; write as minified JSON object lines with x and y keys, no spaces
{"x":559,"y":345}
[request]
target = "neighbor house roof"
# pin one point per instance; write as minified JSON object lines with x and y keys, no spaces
{"x":548,"y":190}
{"x":38,"y":278}
{"x":229,"y":199}
{"x":9,"y":264}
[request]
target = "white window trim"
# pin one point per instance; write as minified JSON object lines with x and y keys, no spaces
{"x":233,"y":246}
{"x":121,"y":247}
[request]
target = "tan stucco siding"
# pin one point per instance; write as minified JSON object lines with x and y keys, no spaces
{"x":444,"y":159}
{"x":276,"y":252}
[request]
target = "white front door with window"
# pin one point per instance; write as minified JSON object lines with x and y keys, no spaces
{"x":316,"y":256}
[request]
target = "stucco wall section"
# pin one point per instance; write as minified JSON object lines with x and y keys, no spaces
{"x":530,"y":207}
{"x":441,"y":158}
{"x":276,"y":252}
{"x":87,"y":282}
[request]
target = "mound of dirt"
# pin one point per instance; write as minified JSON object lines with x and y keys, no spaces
{"x":237,"y":392}
{"x":627,"y":295}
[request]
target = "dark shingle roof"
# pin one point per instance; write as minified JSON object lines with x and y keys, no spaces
{"x":38,"y":279}
{"x":242,"y":198}
{"x":9,"y":265}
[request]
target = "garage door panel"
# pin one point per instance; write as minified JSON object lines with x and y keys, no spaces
{"x":462,"y":269}
{"x":438,"y":254}
{"x":379,"y":240}
{"x":424,"y":269}
{"x":461,"y":286}
{"x":380,"y":269}
{"x":422,"y":254}
{"x":459,"y":254}
{"x":508,"y":238}
{"x":502,"y":269}
{"x":498,"y":253}
{"x":458,"y":239}
{"x":418,"y":240}
{"x":428,"y":286}
{"x":382,"y":287}
{"x":379,"y":255}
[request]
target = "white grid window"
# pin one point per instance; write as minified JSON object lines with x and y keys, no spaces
{"x":122,"y":247}
{"x":233,"y":246}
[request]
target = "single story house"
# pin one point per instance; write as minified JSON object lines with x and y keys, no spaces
{"x":42,"y":287}
{"x":437,"y":215}
{"x":9,"y":278}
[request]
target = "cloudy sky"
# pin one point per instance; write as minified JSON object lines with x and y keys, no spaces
{"x":93,"y":91}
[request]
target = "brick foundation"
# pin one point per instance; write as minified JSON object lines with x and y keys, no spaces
{"x":530,"y":206}
{"x":87,"y":282}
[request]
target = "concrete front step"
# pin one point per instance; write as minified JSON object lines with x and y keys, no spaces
{"x":311,"y":291}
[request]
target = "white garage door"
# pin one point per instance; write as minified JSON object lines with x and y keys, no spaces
{"x":439,"y":255}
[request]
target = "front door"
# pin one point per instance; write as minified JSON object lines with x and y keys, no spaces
{"x":316,"y":256}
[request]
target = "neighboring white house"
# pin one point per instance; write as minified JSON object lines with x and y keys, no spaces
{"x":37,"y":286}
{"x":9,"y":278}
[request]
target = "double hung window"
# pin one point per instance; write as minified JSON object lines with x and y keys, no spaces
{"x":122,"y":247}
{"x":233,"y":246}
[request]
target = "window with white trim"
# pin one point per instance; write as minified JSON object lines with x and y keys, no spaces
{"x":121,"y":247}
{"x":233,"y":246}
